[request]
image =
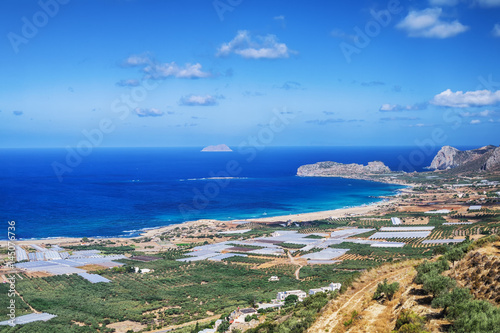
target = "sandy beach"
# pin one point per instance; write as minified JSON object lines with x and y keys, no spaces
{"x":303,"y":217}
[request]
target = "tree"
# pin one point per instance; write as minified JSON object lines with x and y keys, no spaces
{"x":388,"y":289}
{"x":437,"y":284}
{"x":454,"y":255}
{"x":477,"y":316}
{"x":224,"y":326}
{"x":291,"y":299}
{"x":409,"y":322}
{"x":452,"y":300}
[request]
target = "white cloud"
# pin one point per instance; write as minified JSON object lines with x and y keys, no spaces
{"x":137,"y":60}
{"x":496,"y":30}
{"x":485,"y":113}
{"x":128,"y":83}
{"x":426,"y":23}
{"x":475,"y":121}
{"x":488,"y":3}
{"x":460,"y":99}
{"x":156,"y":70}
{"x":439,"y":3}
{"x":162,"y":71}
{"x":148,"y":112}
{"x":397,"y":107}
{"x":388,"y":107}
{"x":266,"y":47}
{"x":198,"y":100}
{"x":338,"y":33}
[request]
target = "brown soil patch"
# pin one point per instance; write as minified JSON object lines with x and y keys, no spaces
{"x":37,"y":274}
{"x":415,"y":220}
{"x":124,"y":326}
{"x":92,"y":267}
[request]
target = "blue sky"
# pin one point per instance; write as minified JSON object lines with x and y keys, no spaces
{"x":194,"y":73}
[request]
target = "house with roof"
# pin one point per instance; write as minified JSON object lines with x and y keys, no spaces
{"x":239,"y":315}
{"x":331,"y":287}
{"x":284,"y":294}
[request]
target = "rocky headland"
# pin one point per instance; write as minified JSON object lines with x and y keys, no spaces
{"x":371,"y":171}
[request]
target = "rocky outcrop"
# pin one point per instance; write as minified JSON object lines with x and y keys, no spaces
{"x":486,"y":158}
{"x":334,"y":169}
{"x":217,"y":148}
{"x":493,"y":162}
{"x":445,"y":158}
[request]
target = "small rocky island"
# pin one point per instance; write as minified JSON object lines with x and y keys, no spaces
{"x":217,"y":148}
{"x":334,"y":169}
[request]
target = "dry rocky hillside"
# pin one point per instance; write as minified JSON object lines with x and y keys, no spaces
{"x":480,"y":272}
{"x":486,"y":158}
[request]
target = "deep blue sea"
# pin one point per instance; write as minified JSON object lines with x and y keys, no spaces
{"x":119,"y":191}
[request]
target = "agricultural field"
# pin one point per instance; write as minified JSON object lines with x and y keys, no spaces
{"x":176,"y":292}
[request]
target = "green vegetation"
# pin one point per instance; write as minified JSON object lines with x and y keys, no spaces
{"x":386,"y":289}
{"x":314,"y":237}
{"x":292,"y":245}
{"x":291,"y":300}
{"x":247,"y":260}
{"x":383,"y":254}
{"x":104,"y":249}
{"x":410,"y":322}
{"x":466,"y":314}
{"x":296,"y":318}
{"x":193,"y":289}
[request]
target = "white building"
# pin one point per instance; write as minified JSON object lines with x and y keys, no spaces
{"x":142,"y":271}
{"x":273,"y":278}
{"x":284,"y":294}
{"x":475,"y":208}
{"x":331,"y":287}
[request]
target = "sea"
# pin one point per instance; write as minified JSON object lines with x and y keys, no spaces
{"x":110,"y":192}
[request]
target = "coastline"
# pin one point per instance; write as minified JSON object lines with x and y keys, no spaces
{"x":299,"y":217}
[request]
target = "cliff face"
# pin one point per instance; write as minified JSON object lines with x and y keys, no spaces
{"x":484,"y":158}
{"x":445,"y":158}
{"x":334,"y":169}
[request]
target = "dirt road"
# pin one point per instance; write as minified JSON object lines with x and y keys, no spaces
{"x":359,"y":299}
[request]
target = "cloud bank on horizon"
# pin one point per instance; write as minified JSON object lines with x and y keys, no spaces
{"x":170,"y":74}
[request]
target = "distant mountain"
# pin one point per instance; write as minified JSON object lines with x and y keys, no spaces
{"x":486,"y":158}
{"x":217,"y":148}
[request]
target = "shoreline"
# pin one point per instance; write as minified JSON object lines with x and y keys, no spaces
{"x":156,"y":231}
{"x":298,"y":217}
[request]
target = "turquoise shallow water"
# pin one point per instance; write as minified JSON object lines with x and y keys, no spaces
{"x":119,"y":191}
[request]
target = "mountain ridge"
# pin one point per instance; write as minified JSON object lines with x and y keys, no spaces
{"x":485,"y":158}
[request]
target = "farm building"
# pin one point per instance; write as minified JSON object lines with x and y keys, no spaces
{"x":284,"y":294}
